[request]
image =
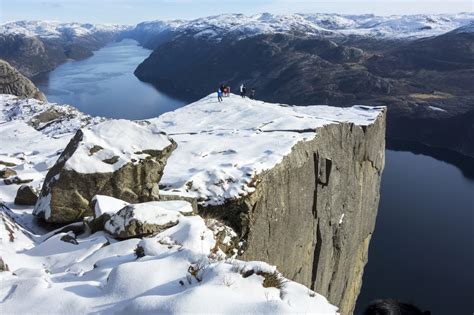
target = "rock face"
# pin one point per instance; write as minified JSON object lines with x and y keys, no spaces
{"x":313,"y":214}
{"x":143,"y":219}
{"x":13,"y":82}
{"x":116,"y":158}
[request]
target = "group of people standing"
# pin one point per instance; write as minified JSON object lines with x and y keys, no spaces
{"x":224,"y":90}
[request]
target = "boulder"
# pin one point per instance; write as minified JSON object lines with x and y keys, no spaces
{"x":117,"y":158}
{"x":137,"y":220}
{"x":26,"y":196}
{"x":7,"y":172}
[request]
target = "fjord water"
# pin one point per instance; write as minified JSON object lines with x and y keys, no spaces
{"x":422,"y":249}
{"x":104,"y":84}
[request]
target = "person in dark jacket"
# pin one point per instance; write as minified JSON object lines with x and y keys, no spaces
{"x":252,"y":93}
{"x":243,"y":90}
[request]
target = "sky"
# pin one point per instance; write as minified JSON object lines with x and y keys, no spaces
{"x":135,"y":11}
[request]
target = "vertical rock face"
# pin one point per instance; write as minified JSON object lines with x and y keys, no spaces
{"x":13,"y":82}
{"x":313,"y":214}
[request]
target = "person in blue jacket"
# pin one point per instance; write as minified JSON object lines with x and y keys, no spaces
{"x":219,"y":94}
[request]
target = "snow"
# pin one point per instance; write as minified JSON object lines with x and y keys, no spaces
{"x":107,"y":204}
{"x":55,"y":29}
{"x":436,"y":109}
{"x":99,"y":274}
{"x":316,"y":24}
{"x":121,"y":139}
{"x":468,"y":28}
{"x":222,"y":147}
{"x":153,"y":212}
{"x":34,"y":150}
{"x":240,"y":26}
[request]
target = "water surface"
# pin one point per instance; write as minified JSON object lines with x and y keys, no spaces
{"x":104,"y":84}
{"x":422,"y":250}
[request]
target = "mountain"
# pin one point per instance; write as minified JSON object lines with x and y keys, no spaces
{"x":38,"y":46}
{"x":238,"y":26}
{"x":418,"y":79}
{"x":13,"y":82}
{"x":52,"y":29}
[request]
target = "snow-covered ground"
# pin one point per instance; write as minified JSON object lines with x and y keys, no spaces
{"x":221,"y":148}
{"x":178,"y":271}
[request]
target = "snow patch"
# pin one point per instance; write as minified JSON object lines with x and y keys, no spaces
{"x":110,"y":145}
{"x":107,"y":204}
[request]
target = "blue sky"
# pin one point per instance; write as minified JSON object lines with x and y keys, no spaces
{"x":134,"y":11}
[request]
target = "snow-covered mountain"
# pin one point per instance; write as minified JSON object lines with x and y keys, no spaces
{"x":468,"y":28}
{"x":53,"y":29}
{"x":221,"y":26}
{"x":330,"y":25}
{"x":39,"y":46}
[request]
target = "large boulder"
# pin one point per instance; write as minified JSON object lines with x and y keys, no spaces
{"x":117,"y":158}
{"x":137,"y":220}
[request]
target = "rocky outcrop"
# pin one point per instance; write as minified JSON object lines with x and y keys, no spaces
{"x":314,"y":213}
{"x":7,"y":172}
{"x":138,"y":220}
{"x":26,"y":196}
{"x":13,"y":82}
{"x":119,"y":158}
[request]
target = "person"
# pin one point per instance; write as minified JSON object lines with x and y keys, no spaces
{"x":243,"y":90}
{"x":252,"y":93}
{"x":219,"y":95}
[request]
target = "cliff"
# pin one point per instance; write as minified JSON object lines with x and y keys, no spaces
{"x":13,"y":82}
{"x":312,"y":211}
{"x":299,"y":186}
